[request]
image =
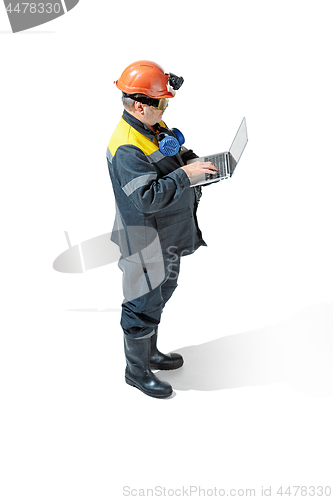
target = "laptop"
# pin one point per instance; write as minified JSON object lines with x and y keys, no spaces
{"x":226,"y":162}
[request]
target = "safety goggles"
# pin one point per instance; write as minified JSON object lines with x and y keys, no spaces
{"x":160,"y":104}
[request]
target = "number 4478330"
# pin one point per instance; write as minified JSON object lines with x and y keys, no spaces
{"x":33,"y":8}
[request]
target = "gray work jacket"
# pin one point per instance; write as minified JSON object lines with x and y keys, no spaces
{"x":155,"y":205}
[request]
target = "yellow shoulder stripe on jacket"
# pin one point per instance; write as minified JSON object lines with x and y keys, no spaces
{"x":125,"y":134}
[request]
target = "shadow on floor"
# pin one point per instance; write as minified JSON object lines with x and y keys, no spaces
{"x":298,"y":352}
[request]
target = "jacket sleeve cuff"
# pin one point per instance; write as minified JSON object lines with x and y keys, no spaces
{"x":182,"y":178}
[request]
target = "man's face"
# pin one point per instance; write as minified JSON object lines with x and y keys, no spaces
{"x":152,"y":116}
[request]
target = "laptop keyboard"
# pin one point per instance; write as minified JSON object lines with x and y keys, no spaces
{"x":219,"y":162}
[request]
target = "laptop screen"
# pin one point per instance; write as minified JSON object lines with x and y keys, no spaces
{"x":239,"y":143}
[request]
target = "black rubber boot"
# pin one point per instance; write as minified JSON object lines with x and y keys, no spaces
{"x":138,"y":374}
{"x":160,"y":361}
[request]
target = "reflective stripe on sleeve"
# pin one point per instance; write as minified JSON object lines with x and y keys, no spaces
{"x":155,"y":157}
{"x":109,"y":155}
{"x":138,"y":182}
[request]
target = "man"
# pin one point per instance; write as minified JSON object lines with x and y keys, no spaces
{"x":155,"y":221}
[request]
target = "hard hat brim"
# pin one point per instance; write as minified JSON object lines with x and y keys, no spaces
{"x":168,"y":94}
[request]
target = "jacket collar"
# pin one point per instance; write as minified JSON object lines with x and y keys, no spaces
{"x":139,"y":126}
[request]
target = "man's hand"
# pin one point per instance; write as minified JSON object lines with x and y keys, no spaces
{"x":199,"y":167}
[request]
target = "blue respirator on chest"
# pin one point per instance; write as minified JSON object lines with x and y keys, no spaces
{"x":170,"y":141}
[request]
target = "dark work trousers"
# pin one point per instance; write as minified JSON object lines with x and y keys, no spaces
{"x":146,"y":288}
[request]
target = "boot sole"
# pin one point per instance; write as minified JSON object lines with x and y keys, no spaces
{"x":148,"y":393}
{"x":159,"y":367}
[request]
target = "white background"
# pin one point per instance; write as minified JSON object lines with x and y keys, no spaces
{"x":259,"y":297}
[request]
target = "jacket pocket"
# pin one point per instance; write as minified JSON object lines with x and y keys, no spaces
{"x":174,"y":229}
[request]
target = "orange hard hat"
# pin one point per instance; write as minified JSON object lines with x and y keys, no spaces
{"x":145,"y":77}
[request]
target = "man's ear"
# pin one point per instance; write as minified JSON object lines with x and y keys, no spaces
{"x":139,"y":107}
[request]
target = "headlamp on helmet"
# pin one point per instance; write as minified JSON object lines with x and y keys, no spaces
{"x":175,"y":81}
